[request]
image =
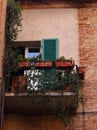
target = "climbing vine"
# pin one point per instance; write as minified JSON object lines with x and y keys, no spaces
{"x":13,"y":20}
{"x":12,"y":28}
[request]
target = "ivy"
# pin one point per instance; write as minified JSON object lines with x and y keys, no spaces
{"x":12,"y":28}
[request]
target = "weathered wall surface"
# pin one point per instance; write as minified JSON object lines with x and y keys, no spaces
{"x":87,"y":18}
{"x":41,"y":24}
{"x":88,"y":56}
{"x":2,"y":33}
{"x":32,"y":122}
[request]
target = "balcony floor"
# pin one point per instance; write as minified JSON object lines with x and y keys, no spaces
{"x":21,"y":103}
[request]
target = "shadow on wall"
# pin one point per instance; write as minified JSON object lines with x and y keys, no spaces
{"x":32,"y":122}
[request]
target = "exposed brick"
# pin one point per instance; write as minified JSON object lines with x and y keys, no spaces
{"x":88,"y":56}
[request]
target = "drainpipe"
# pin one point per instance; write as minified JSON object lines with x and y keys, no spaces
{"x":83,"y":112}
{"x":2,"y":91}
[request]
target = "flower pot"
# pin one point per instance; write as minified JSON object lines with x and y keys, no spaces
{"x":19,"y":83}
{"x":81,"y":72}
{"x":43,"y":65}
{"x":67,"y":88}
{"x":64,"y":64}
{"x":24,"y":65}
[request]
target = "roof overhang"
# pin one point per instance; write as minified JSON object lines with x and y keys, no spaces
{"x":35,"y":44}
{"x":36,"y":4}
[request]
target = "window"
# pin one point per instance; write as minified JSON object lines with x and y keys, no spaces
{"x":28,"y":48}
{"x":31,"y":52}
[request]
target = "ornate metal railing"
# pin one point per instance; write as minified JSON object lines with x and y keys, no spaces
{"x":37,"y":79}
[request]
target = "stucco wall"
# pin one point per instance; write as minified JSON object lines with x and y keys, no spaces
{"x":53,"y":23}
{"x":32,"y":122}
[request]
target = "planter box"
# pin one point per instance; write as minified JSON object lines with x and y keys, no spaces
{"x":19,"y":83}
{"x":64,"y":64}
{"x":43,"y":65}
{"x":25,"y":65}
{"x":81,"y":72}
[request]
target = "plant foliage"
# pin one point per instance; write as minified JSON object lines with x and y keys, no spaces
{"x":13,"y":26}
{"x":13,"y":20}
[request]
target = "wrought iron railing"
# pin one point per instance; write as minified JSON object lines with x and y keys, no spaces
{"x":53,"y":79}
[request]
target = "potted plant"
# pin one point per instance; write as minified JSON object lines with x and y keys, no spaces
{"x":23,"y":63}
{"x":19,"y":84}
{"x":68,"y":82}
{"x":62,"y":63}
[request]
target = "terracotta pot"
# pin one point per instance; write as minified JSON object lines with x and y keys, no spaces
{"x":81,"y":69}
{"x":67,"y":88}
{"x":43,"y":65}
{"x":19,"y":83}
{"x":24,"y":65}
{"x":81,"y":72}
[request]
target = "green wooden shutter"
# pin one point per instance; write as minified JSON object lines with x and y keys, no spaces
{"x":49,"y":49}
{"x":49,"y":52}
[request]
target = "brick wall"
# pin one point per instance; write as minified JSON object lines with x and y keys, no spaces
{"x":2,"y":31}
{"x":88,"y":56}
{"x":87,"y":18}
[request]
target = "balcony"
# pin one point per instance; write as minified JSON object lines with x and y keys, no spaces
{"x":43,"y":87}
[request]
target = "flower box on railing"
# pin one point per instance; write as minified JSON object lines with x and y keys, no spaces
{"x":67,"y":64}
{"x":43,"y":65}
{"x":19,"y":83}
{"x":24,"y":65}
{"x":81,"y":72}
